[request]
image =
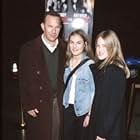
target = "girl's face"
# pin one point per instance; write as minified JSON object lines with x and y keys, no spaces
{"x":77,"y":45}
{"x":101,"y":50}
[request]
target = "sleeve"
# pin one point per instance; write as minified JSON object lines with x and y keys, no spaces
{"x":92,"y":90}
{"x":113,"y":94}
{"x":25,"y":78}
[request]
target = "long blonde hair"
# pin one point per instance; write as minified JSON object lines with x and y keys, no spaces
{"x":88,"y":50}
{"x":113,"y":46}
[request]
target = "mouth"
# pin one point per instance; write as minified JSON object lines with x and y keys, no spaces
{"x":53,"y":36}
{"x":74,"y":50}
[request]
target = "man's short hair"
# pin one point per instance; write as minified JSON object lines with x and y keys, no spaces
{"x":52,"y":13}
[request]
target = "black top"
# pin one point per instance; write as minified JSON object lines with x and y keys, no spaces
{"x":108,"y":118}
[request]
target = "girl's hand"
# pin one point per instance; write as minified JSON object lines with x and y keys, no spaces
{"x":86,"y":121}
{"x":99,"y":138}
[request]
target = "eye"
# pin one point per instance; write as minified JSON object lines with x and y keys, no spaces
{"x":71,"y":42}
{"x":50,"y":26}
{"x":79,"y":43}
{"x":58,"y":27}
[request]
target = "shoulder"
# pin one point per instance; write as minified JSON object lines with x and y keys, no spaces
{"x":86,"y":66}
{"x":32,"y":43}
{"x":115,"y":77}
{"x":31,"y":48}
{"x":62,"y":42}
{"x":90,"y":62}
{"x":93,"y":68}
{"x":113,"y":67}
{"x":114,"y":70}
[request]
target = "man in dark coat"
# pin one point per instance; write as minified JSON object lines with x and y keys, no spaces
{"x":41,"y":70}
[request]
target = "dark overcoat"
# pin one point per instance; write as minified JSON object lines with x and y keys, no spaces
{"x":108,"y":116}
{"x":35,"y":89}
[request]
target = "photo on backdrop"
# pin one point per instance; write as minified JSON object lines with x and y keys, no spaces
{"x":76,"y":14}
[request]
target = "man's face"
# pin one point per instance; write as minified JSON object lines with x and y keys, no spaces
{"x":51,"y":28}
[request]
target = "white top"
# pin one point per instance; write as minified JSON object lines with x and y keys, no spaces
{"x":50,"y":48}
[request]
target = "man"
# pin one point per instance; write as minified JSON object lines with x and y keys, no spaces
{"x":41,"y":70}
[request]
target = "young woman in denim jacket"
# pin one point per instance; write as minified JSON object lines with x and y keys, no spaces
{"x":79,"y":93}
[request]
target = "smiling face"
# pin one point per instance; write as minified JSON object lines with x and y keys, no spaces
{"x":76,"y":45}
{"x":101,"y":50}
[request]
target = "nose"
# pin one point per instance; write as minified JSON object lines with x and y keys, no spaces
{"x":74,"y":45}
{"x":54,"y":30}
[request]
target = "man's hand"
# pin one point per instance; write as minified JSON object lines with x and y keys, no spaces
{"x":33,"y":112}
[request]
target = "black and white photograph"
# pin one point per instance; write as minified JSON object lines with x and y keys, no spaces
{"x":76,"y":14}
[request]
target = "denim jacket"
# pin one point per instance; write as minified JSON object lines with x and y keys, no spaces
{"x":84,"y":89}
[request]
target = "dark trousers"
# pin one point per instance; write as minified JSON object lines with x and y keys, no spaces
{"x":73,"y":125}
{"x":55,"y":121}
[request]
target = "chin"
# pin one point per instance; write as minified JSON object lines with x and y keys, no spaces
{"x":101,"y":58}
{"x":52,"y":39}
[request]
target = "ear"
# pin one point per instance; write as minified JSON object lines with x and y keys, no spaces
{"x":42,"y":26}
{"x":86,"y":44}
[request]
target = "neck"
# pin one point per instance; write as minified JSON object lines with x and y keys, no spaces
{"x":75,"y":61}
{"x":76,"y":58}
{"x":52,"y":43}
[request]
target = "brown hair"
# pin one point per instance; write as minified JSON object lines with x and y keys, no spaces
{"x":113,"y":46}
{"x":88,"y":50}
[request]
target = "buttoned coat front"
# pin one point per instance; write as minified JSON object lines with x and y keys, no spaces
{"x":35,"y":89}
